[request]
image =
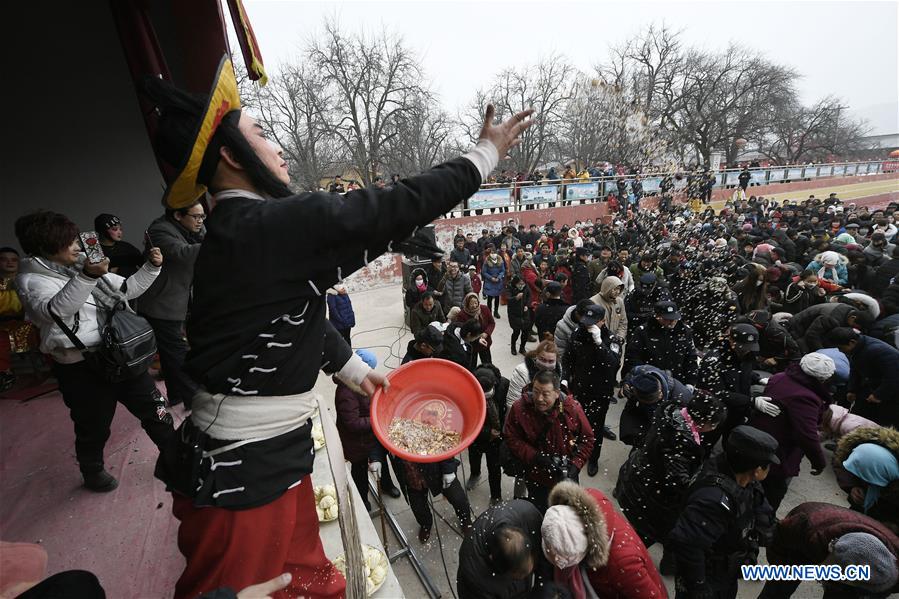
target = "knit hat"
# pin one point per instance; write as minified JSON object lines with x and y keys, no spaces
{"x":104,"y":222}
{"x":857,"y":548}
{"x":367,"y":357}
{"x":817,"y":366}
{"x":564,"y":536}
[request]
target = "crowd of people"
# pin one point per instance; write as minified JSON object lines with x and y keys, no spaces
{"x":741,"y":341}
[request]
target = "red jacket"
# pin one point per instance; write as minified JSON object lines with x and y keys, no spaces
{"x":804,"y":536}
{"x":488,"y":324}
{"x":560,"y":432}
{"x":630,"y":572}
{"x":531,"y":277}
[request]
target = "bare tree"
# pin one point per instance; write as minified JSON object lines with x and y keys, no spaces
{"x":294,"y":109}
{"x":546,"y":87}
{"x":797,"y":133}
{"x":374,"y":81}
{"x":715,"y":99}
{"x":422,"y":136}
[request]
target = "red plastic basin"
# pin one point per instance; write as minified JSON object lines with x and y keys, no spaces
{"x":432,"y":391}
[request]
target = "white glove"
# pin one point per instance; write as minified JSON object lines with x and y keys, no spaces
{"x":765,"y":406}
{"x":763,"y":381}
{"x":375,"y":468}
{"x":615,"y":348}
{"x":448,"y":479}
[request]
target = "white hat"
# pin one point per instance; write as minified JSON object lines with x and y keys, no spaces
{"x":564,"y":536}
{"x":830,"y":257}
{"x":818,"y":366}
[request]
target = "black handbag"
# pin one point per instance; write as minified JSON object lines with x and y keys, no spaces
{"x":127,"y":344}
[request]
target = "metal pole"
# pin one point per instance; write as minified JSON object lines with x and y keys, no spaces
{"x":407,"y":550}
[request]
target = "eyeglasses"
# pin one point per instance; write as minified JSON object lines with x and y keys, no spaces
{"x":197,"y":217}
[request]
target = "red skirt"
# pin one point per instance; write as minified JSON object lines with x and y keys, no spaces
{"x":239,"y":548}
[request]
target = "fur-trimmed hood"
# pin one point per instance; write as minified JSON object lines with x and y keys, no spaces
{"x":885,"y":436}
{"x":571,"y":494}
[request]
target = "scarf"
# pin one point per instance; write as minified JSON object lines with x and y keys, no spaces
{"x":822,"y":272}
{"x":874,"y":464}
{"x":103,"y":292}
{"x":692,"y":425}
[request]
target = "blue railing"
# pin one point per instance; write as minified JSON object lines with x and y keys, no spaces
{"x":528,"y":194}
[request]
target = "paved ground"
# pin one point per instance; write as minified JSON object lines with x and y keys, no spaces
{"x":380,"y":328}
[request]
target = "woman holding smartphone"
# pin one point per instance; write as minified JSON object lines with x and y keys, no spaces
{"x":57,"y":279}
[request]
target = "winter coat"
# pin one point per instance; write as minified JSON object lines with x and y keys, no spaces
{"x":616,"y":313}
{"x":874,"y":366}
{"x":168,"y":296}
{"x":591,"y":365}
{"x":38,"y":285}
{"x":563,"y":431}
{"x":477,"y":578}
{"x":811,"y":326}
{"x":496,"y":406}
{"x":668,"y":349}
{"x":890,"y":298}
{"x":842,"y":273}
{"x":884,"y":274}
{"x":805,"y":535}
{"x":548,"y":315}
{"x":456,"y":349}
{"x":580,"y":281}
{"x":878,"y":256}
{"x":534,"y":285}
{"x":494,"y":275}
{"x":488,"y":324}
{"x":796,"y":298}
{"x":461,"y":257}
{"x":842,"y":421}
{"x":340,"y":311}
{"x":564,"y":329}
{"x":354,"y":422}
{"x":775,"y":341}
{"x":413,"y":295}
{"x":636,"y":418}
{"x":802,"y":400}
{"x":729,"y":378}
{"x":654,"y":480}
{"x":476,"y":283}
{"x":419,"y":319}
{"x":518,"y":310}
{"x":454,"y":291}
{"x":886,"y":509}
{"x":521,"y":379}
{"x":617,"y":564}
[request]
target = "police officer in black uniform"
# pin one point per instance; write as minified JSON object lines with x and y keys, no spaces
{"x":725,"y":519}
{"x":665,"y":342}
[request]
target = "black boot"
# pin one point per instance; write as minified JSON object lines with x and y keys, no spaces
{"x":592,"y":467}
{"x":608,"y":434}
{"x":100,"y":481}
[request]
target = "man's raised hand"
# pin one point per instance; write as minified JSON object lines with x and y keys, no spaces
{"x":505,"y":136}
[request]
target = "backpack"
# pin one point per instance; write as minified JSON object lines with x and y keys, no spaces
{"x":127,"y":344}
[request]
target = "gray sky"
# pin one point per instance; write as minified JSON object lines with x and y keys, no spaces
{"x":848,"y":49}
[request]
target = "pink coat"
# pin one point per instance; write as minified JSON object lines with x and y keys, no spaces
{"x":842,"y":422}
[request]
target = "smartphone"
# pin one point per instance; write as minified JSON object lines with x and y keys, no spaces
{"x":147,"y":241}
{"x":90,"y":243}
